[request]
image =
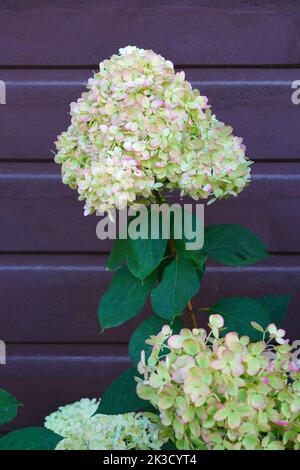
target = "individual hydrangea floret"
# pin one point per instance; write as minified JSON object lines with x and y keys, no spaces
{"x":140,"y":127}
{"x":82,"y":430}
{"x":224,"y":392}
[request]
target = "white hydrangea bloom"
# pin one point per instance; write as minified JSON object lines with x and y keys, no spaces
{"x":83,"y":431}
{"x":141,"y":126}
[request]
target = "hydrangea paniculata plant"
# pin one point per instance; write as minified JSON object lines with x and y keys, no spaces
{"x":83,"y":431}
{"x":141,"y":126}
{"x":138,"y":129}
{"x":223,"y":392}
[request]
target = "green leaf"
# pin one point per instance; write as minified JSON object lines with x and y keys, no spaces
{"x":124,"y":299}
{"x":118,"y":254}
{"x":239,"y":312}
{"x":30,"y":439}
{"x":179,"y":284}
{"x":121,"y":397}
{"x":145,"y":254}
{"x":276,"y":306}
{"x":257,"y":327}
{"x":165,"y":262}
{"x":8,"y":407}
{"x":233,"y":245}
{"x":149,"y":327}
{"x":198,"y":260}
{"x":196,"y":257}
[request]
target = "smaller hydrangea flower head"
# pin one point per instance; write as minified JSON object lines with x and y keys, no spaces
{"x":224,"y":392}
{"x":82,"y":430}
{"x":141,"y":126}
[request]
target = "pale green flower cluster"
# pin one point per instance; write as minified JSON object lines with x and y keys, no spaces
{"x":83,"y":431}
{"x":141,"y":126}
{"x":223,"y":393}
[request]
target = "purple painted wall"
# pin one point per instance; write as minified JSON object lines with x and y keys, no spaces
{"x":244,"y":55}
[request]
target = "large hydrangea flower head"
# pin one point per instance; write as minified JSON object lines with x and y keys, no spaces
{"x":218,"y":392}
{"x":139,"y":127}
{"x":83,"y":430}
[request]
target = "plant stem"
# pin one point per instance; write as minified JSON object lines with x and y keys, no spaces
{"x":192,"y":315}
{"x":172,"y":247}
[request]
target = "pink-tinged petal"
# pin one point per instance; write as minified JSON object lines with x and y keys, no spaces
{"x":295,"y":406}
{"x":155,"y":143}
{"x":205,"y":439}
{"x":231,"y":340}
{"x":103,"y":128}
{"x":220,"y":352}
{"x":175,"y":342}
{"x":293,"y":367}
{"x":281,"y":340}
{"x":215,"y":319}
{"x":281,"y":423}
{"x":272,"y":329}
{"x":145,"y":155}
{"x":237,"y":368}
{"x":217,"y":364}
{"x":195,"y":396}
{"x":166,"y":330}
{"x":265,"y":380}
{"x":185,"y":177}
{"x":177,"y":376}
{"x":157,"y":104}
{"x":257,"y":401}
{"x":128,"y":146}
{"x":138,"y":146}
{"x":207,"y":188}
{"x":271,"y":367}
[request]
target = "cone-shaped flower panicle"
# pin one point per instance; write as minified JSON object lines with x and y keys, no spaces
{"x":139,"y":127}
